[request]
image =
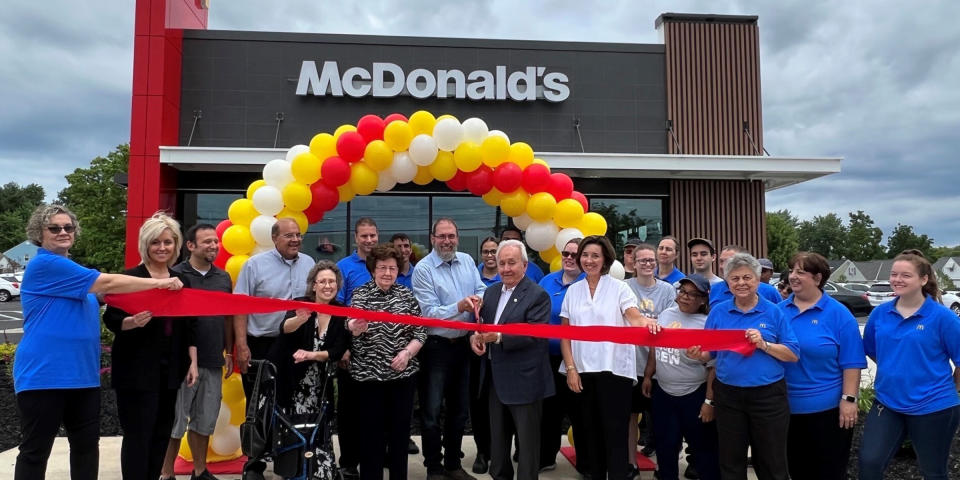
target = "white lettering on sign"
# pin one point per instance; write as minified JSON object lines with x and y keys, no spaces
{"x":389,"y":80}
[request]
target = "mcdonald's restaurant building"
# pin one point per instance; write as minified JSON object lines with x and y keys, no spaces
{"x":662,"y":138}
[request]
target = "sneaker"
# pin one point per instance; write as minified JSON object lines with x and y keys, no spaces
{"x":481,"y":464}
{"x":204,"y":475}
{"x":648,"y":451}
{"x":459,"y":474}
{"x":691,"y":473}
{"x":547,"y":468}
{"x":412,"y":448}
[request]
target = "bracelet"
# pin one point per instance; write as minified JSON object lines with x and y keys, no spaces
{"x":571,"y":367}
{"x":766,"y":346}
{"x":708,"y":401}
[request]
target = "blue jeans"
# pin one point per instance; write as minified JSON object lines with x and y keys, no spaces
{"x":930,"y":434}
{"x":444,"y":382}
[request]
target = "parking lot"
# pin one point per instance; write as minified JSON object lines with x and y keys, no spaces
{"x":11,"y":321}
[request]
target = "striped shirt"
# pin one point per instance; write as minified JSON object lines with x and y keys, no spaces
{"x":372,"y":351}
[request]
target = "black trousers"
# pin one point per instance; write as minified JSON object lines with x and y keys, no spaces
{"x":444,"y":386}
{"x":817,"y":448}
{"x":554,"y":409}
{"x":387,"y":410}
{"x":41,"y":414}
{"x":479,"y":410}
{"x":678,"y":418}
{"x":147,"y":420}
{"x":605,"y":411}
{"x":348,"y":419}
{"x":259,"y":348}
{"x":505,"y":420}
{"x":754,"y":416}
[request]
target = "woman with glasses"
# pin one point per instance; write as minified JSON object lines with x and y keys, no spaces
{"x":683,"y":393}
{"x":823,"y":386}
{"x":56,"y":371}
{"x":602,"y":374}
{"x":488,"y":261}
{"x":383,"y":363}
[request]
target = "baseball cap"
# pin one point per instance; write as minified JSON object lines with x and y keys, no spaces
{"x":632,"y":242}
{"x":702,"y":241}
{"x":697,"y":281}
{"x":765,"y":264}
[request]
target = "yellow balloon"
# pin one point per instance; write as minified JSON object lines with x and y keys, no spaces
{"x":568,"y":214}
{"x":296,"y":196}
{"x":541,"y":206}
{"x":234,"y":264}
{"x":514,"y":204}
{"x":541,"y":162}
{"x":298,"y":217}
{"x":398,"y":135}
{"x":593,"y":223}
{"x":422,"y":122}
{"x":468,"y":156}
{"x":378,"y":155}
{"x":363,"y":179}
{"x":341,"y":130}
{"x":556,"y":264}
{"x":443,"y":168}
{"x":238,"y":240}
{"x":346,"y":193}
{"x":254,"y":186}
{"x":242,"y":212}
{"x":493,"y":197}
{"x":306,"y":168}
{"x":323,"y":146}
{"x":550,"y":254}
{"x":446,"y":115}
{"x":234,"y":398}
{"x":423,"y":176}
{"x":495,"y":150}
{"x":521,"y":154}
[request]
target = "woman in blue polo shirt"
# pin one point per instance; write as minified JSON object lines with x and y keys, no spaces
{"x":750,"y":394}
{"x":913,"y":339}
{"x":488,"y":261}
{"x":823,"y":385}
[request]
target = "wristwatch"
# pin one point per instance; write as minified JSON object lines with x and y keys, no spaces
{"x":708,"y":401}
{"x":848,"y":398}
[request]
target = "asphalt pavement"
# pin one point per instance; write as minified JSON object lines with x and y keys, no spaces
{"x":11,"y":321}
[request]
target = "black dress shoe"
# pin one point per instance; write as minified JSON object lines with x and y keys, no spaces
{"x":412,"y":448}
{"x":481,"y":464}
{"x":632,"y":471}
{"x":648,"y":451}
{"x":691,"y":472}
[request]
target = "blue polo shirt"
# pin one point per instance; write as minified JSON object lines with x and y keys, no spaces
{"x":61,"y":326}
{"x":830,"y":343}
{"x":913,"y":356}
{"x":406,"y":279}
{"x":533,"y":273}
{"x":760,"y":368}
{"x":553,"y":284}
{"x":355,"y":273}
{"x":720,"y":292}
{"x":675,"y":275}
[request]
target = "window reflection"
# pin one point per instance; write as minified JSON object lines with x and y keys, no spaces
{"x":475,"y":220}
{"x":327,"y":239}
{"x":631,"y":217}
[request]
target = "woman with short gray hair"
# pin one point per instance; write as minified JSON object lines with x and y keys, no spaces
{"x":750,"y":394}
{"x":56,"y":372}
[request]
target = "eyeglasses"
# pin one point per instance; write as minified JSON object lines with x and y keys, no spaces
{"x":568,"y":254}
{"x":487,"y":253}
{"x":289,"y":236}
{"x":55,"y":229}
{"x":387,"y":268}
{"x":449,"y":236}
{"x":689,"y":293}
{"x":646,"y":261}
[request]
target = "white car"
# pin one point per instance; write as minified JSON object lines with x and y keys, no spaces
{"x":9,"y":288}
{"x":880,"y":292}
{"x":951,"y":301}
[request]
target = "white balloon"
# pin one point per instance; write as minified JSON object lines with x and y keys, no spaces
{"x":540,"y":235}
{"x":475,"y":130}
{"x":386,"y":181}
{"x":223,"y":418}
{"x":449,"y":133}
{"x":423,"y":150}
{"x":296,"y":150}
{"x":277,"y":173}
{"x":268,"y":200}
{"x":227,"y":441}
{"x":498,"y":133}
{"x":617,"y":271}
{"x":522,"y":222}
{"x":260,"y":249}
{"x":260,"y":229}
{"x":563,"y":237}
{"x":402,"y":169}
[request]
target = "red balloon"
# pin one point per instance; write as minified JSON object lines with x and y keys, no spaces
{"x":334,"y":172}
{"x":370,"y":127}
{"x":393,"y":117}
{"x":459,"y":181}
{"x":536,"y":178}
{"x":507,"y":177}
{"x":222,"y":256}
{"x":222,"y":227}
{"x":480,"y":181}
{"x":314,"y":212}
{"x":325,"y":197}
{"x":351,"y":146}
{"x":561,"y":187}
{"x":582,"y":199}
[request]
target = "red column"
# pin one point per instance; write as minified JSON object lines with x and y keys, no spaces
{"x":155,"y":111}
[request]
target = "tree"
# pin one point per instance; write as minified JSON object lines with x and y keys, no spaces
{"x":903,"y":238}
{"x":16,"y":205}
{"x":863,"y":238}
{"x":824,"y":234}
{"x":100,"y":205}
{"x":782,"y":239}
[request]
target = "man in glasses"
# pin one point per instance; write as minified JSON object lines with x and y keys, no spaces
{"x":447,"y":285}
{"x":277,"y":273}
{"x":354,"y":267}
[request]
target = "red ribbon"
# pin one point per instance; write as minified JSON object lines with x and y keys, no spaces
{"x":190,"y":302}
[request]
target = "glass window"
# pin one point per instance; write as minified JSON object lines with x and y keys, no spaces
{"x":327,"y":239}
{"x":395,"y":214}
{"x":212,"y":207}
{"x":475,"y":219}
{"x":631,"y":217}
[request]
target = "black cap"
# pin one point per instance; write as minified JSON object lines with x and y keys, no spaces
{"x":697,"y":281}
{"x":702,"y":241}
{"x":633,"y":241}
{"x":765,"y":264}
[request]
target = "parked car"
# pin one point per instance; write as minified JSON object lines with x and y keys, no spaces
{"x":851,"y":299}
{"x":880,"y":292}
{"x":9,"y":288}
{"x":856,"y":287}
{"x":951,"y":301}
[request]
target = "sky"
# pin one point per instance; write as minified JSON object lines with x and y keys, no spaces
{"x":877,"y":83}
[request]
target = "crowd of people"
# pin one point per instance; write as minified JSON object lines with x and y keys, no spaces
{"x":789,"y":407}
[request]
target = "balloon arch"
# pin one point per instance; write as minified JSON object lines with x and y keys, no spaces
{"x":378,"y":153}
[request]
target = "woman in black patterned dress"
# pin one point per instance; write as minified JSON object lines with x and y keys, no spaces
{"x":383,"y":364}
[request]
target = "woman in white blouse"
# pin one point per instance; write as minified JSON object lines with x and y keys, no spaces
{"x":602,"y":374}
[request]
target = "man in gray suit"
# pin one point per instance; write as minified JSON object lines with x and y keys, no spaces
{"x":517,"y":367}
